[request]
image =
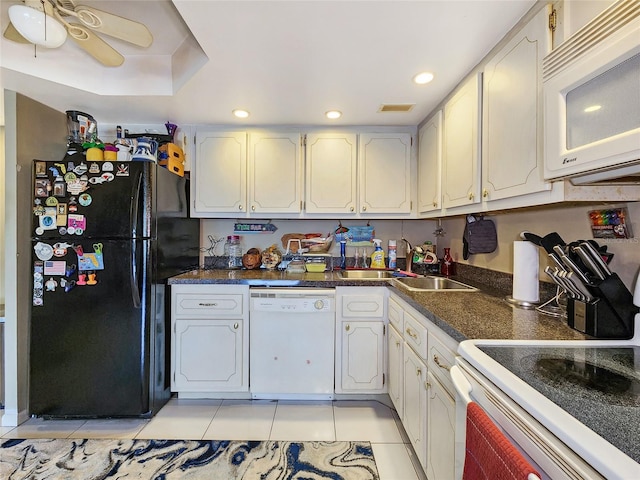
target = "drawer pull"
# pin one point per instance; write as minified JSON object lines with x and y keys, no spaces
{"x":427,"y":385}
{"x":347,"y":327}
{"x":436,"y":360}
{"x":418,"y":371}
{"x":207,"y":304}
{"x":412,"y":334}
{"x":235,"y":326}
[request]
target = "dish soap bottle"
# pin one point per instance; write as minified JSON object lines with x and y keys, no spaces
{"x":377,"y":257}
{"x":393,"y":255}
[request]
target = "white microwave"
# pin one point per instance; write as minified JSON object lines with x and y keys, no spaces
{"x":591,"y":87}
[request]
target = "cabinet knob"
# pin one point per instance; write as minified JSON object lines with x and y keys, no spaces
{"x":364,"y":208}
{"x":397,"y":344}
{"x":253,"y":208}
{"x":351,"y":209}
{"x":435,"y":204}
{"x":436,"y":360}
{"x":485,"y":193}
{"x":347,"y":328}
{"x":240,"y":207}
{"x":235,"y":326}
{"x":471,"y":195}
{"x":418,"y":371}
{"x":427,"y":385}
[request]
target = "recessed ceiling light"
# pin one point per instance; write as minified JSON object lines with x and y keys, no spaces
{"x":592,"y":108}
{"x":241,"y":113}
{"x":422,"y":78}
{"x":333,"y":114}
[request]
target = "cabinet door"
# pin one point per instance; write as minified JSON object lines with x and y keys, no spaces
{"x":331,"y":173}
{"x":441,"y":413}
{"x":415,"y":403}
{"x":362,"y":366}
{"x":275,"y":173}
{"x":430,"y":164}
{"x":219,"y":173}
{"x":512,"y":144}
{"x":461,"y":146}
{"x":208,"y":356}
{"x":385,"y":172}
{"x":395,"y":376}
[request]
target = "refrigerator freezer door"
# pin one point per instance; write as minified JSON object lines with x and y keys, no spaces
{"x":91,"y":346}
{"x":119,"y":207}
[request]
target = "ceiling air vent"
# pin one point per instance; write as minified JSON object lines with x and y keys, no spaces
{"x":399,"y":107}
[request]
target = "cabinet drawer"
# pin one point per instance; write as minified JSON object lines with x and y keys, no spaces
{"x":369,"y":306}
{"x":209,"y":305}
{"x":415,"y":334}
{"x":441,"y":359}
{"x":396,"y":315}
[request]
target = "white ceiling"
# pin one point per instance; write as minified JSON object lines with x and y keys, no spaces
{"x":287,"y":62}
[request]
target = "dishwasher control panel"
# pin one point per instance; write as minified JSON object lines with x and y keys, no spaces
{"x":312,"y":302}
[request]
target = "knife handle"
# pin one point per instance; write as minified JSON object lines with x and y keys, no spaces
{"x":589,"y":262}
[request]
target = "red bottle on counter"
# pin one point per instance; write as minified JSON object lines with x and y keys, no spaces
{"x":447,"y":266}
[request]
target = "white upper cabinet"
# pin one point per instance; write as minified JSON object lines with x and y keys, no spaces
{"x":219,"y":175}
{"x":236,"y":174}
{"x":512,"y":134}
{"x":331,"y":181}
{"x":461,"y":146}
{"x":384,"y":171}
{"x":275,"y":173}
{"x":430,"y":165}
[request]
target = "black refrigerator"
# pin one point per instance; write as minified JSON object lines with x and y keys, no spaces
{"x":106,"y":237}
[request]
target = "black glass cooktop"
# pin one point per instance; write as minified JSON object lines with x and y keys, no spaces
{"x":600,"y":386}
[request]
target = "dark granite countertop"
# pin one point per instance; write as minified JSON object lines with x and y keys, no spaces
{"x":462,"y":315}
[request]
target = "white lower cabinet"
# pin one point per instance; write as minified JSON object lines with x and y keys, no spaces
{"x":395,"y":382}
{"x":415,"y":419}
{"x":421,"y":388}
{"x":441,"y":412}
{"x":361,"y":340}
{"x":209,"y":345}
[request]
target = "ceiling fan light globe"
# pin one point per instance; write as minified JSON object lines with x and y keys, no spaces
{"x":37,"y":27}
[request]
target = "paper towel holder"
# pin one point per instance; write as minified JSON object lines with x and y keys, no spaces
{"x":524,"y":304}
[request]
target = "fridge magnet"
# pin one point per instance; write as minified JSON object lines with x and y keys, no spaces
{"x":82,"y":279}
{"x":76,"y":187}
{"x":42,"y":187}
{"x":54,"y":171}
{"x":55,"y":267}
{"x":81,"y":169}
{"x":38,"y":210}
{"x":68,"y":286}
{"x":43,"y":251}
{"x":123,"y":170}
{"x":107,"y":167}
{"x":78,"y":249}
{"x":107,"y":176}
{"x":59,"y":187}
{"x":90,"y":261}
{"x":60,"y":249}
{"x":79,"y":231}
{"x":62,"y":208}
{"x":96,"y":180}
{"x":76,"y":221}
{"x":73,"y":205}
{"x":85,"y":199}
{"x":71,"y":230}
{"x":92,"y":279}
{"x":62,"y":230}
{"x":41,"y":169}
{"x":39,"y":231}
{"x":70,"y":177}
{"x":61,"y":220}
{"x":51,"y":285}
{"x":47,"y":222}
{"x":70,"y":270}
{"x":94,"y":168}
{"x":62,"y":168}
{"x":37,"y":299}
{"x":51,"y":201}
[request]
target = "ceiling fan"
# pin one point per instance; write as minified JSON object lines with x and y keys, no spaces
{"x":47,"y":22}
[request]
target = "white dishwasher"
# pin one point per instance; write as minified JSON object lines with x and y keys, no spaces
{"x":291,"y":339}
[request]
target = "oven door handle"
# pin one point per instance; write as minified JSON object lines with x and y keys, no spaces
{"x":461,"y":384}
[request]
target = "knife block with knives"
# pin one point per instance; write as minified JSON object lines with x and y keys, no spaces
{"x":598,"y":303}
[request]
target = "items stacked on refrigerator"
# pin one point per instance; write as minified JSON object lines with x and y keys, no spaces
{"x":599,"y":304}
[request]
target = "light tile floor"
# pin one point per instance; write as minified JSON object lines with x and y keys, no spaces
{"x":253,"y":420}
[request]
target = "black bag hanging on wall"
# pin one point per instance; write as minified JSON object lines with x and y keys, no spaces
{"x":480,"y":236}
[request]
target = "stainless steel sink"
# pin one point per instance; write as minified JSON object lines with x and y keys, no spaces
{"x":366,"y":274}
{"x":433,"y":284}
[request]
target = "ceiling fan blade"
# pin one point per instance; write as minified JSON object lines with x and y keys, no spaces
{"x":10,"y":33}
{"x":114,"y":25}
{"x":95,"y":46}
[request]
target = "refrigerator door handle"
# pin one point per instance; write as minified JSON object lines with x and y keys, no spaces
{"x":135,"y":206}
{"x":135,"y":289}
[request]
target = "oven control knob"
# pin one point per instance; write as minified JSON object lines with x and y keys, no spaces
{"x":319,"y":304}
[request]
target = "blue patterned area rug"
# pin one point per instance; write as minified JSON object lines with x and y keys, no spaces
{"x":38,"y":459}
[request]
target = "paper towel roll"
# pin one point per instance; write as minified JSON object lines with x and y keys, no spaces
{"x":525,"y":272}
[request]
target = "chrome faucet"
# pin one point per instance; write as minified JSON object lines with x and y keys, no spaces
{"x":408,"y":255}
